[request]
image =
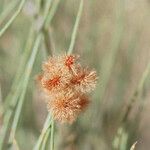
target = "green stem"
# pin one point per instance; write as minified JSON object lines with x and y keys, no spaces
{"x":24,"y":86}
{"x":39,"y":3}
{"x":46,"y":10}
{"x":20,"y":104}
{"x":2,"y":31}
{"x":8,"y":116}
{"x":49,"y":43}
{"x":43,"y":147}
{"x":44,"y":131}
{"x":7,"y":10}
{"x":52,"y":136}
{"x":14,"y":89}
{"x":12,"y":98}
{"x":74,"y":33}
{"x":52,"y":13}
{"x":47,"y":38}
{"x":20,"y":89}
{"x":49,"y":123}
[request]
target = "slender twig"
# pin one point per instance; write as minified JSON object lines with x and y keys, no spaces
{"x":52,"y":13}
{"x":8,"y":116}
{"x":39,"y":4}
{"x":20,"y":104}
{"x":2,"y":31}
{"x":7,"y":10}
{"x":52,"y":136}
{"x":49,"y":122}
{"x":76,"y":25}
{"x":49,"y":43}
{"x":43,"y":147}
{"x":44,"y":130}
{"x":14,"y":88}
{"x":12,"y":98}
{"x":46,"y":10}
{"x":24,"y":86}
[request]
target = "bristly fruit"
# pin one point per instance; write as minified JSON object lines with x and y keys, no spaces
{"x":66,"y":83}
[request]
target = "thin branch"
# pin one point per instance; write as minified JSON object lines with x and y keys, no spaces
{"x":43,"y":133}
{"x":24,"y":86}
{"x":75,"y":29}
{"x":7,"y":10}
{"x":52,"y":13}
{"x":6,"y":26}
{"x":52,"y":136}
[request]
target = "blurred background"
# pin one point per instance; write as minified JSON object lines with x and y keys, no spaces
{"x":114,"y":38}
